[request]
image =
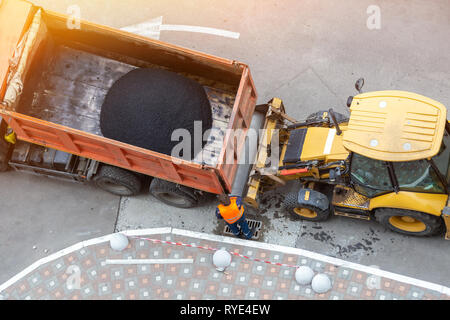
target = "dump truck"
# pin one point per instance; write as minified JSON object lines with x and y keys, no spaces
{"x":388,"y":161}
{"x":54,"y":80}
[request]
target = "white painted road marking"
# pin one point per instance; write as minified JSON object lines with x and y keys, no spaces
{"x":239,"y":242}
{"x":152,"y":29}
{"x":213,"y":31}
{"x":147,"y":261}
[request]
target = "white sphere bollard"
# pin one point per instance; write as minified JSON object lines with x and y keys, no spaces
{"x":118,"y":242}
{"x":304,"y":275}
{"x":221,"y":259}
{"x":321,"y":283}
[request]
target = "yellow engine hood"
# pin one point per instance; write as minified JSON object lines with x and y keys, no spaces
{"x":395,"y":126}
{"x":323,"y":144}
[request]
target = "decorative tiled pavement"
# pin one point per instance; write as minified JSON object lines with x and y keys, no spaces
{"x":80,"y":272}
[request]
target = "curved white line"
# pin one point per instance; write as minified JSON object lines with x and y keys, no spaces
{"x":266,"y":246}
{"x":316,"y":256}
{"x":147,"y":261}
{"x":77,"y":247}
{"x":213,"y":31}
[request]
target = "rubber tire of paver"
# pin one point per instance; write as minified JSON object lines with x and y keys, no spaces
{"x":290,"y":203}
{"x":317,"y":119}
{"x":117,"y":181}
{"x":434,"y":224}
{"x":172,"y":194}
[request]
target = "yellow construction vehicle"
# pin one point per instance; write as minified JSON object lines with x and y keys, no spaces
{"x":388,"y":161}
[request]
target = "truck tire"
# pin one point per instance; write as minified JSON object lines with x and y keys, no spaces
{"x":409,"y":222}
{"x":172,"y":194}
{"x":317,"y":118}
{"x":117,"y":181}
{"x":303,"y":211}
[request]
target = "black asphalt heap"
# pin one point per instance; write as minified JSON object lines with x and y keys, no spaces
{"x":145,"y":106}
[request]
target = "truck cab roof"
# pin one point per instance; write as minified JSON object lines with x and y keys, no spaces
{"x":395,"y":126}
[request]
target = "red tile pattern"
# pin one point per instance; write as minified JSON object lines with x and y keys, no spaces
{"x":83,"y":275}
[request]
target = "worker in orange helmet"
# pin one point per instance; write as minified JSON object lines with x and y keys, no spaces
{"x":231,"y":209}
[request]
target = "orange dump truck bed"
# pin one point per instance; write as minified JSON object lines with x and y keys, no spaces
{"x":53,"y":80}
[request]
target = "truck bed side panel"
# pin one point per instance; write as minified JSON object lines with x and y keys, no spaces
{"x":240,"y":123}
{"x":113,"y":152}
{"x":14,"y":18}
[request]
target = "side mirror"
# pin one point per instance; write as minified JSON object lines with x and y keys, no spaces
{"x":359,"y":84}
{"x":349,"y":101}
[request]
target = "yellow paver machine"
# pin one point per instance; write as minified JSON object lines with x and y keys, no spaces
{"x":388,"y":161}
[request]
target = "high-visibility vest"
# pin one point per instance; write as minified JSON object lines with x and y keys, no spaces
{"x":231,"y":213}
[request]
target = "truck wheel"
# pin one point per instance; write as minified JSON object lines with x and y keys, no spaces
{"x":4,"y":155}
{"x":409,"y":222}
{"x":317,"y":117}
{"x":117,"y":181}
{"x":172,"y":195}
{"x":303,"y":211}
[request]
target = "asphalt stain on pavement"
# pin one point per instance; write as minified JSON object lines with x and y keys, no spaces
{"x":270,"y":207}
{"x":364,"y":245}
{"x":316,"y":236}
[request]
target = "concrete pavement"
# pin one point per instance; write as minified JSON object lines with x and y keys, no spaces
{"x":170,"y":264}
{"x":40,"y":216}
